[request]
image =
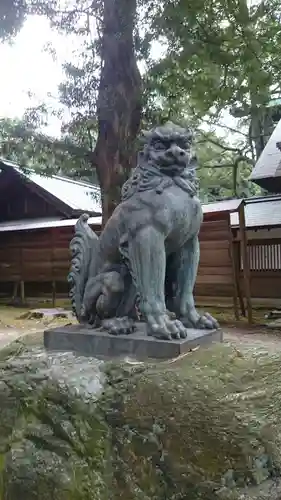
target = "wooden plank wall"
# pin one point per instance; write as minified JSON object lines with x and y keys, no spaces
{"x":27,"y":256}
{"x":35,"y":256}
{"x":42,"y":256}
{"x":215,"y":273}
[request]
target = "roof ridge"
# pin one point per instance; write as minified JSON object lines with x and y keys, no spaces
{"x":266,"y":198}
{"x":8,"y":163}
{"x":16,"y":166}
{"x":73,"y":181}
{"x":69,"y":195}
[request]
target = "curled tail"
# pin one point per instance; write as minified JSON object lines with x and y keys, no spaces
{"x":83,"y":248}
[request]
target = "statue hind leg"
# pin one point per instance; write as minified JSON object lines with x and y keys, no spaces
{"x":183,"y":272}
{"x":147,"y":256}
{"x":106,"y":302}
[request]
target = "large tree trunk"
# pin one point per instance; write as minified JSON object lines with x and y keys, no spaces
{"x":119,"y":102}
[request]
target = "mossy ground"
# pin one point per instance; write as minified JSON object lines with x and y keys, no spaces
{"x":206,"y":426}
{"x":14,"y":316}
{"x":14,"y":323}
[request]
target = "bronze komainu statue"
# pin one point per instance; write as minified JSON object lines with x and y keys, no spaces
{"x":146,"y":258}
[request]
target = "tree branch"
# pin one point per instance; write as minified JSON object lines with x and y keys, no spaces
{"x":71,"y":148}
{"x":226,"y":165}
{"x":226,"y":127}
{"x":218,"y":144}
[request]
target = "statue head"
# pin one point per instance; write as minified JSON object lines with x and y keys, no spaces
{"x":168,"y":147}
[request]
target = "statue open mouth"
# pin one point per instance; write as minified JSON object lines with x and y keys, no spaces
{"x":173,"y":169}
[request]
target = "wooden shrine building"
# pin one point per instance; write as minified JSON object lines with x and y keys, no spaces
{"x":38,"y":215}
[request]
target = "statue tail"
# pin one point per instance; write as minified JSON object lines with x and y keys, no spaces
{"x":84,"y":249}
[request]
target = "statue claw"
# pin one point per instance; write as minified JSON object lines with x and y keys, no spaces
{"x":119,"y":326}
{"x":208,"y":322}
{"x":203,"y":322}
{"x":164,"y":328}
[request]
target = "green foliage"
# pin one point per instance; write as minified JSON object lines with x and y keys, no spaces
{"x":218,"y":49}
{"x":223,"y":55}
{"x":223,"y":170}
{"x":12,"y":17}
{"x":22,"y":142}
{"x":220,"y":56}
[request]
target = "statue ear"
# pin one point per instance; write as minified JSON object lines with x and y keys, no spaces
{"x":140,"y":156}
{"x":193,"y":162}
{"x":144,"y":136}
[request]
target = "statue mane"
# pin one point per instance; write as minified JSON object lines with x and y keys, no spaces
{"x":149,"y":176}
{"x":166,"y":132}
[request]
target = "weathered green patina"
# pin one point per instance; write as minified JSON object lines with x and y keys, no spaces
{"x":147,"y":255}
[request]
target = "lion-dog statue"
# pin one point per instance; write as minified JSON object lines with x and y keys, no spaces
{"x":143,"y":266}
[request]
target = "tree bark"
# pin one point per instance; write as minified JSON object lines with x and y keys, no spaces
{"x":119,"y":102}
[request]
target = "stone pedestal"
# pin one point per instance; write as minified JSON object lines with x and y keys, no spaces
{"x":96,"y":342}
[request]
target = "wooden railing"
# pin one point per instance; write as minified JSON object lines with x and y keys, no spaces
{"x":264,"y":256}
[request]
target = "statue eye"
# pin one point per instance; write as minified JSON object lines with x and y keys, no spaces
{"x":159,"y":146}
{"x":183,"y":145}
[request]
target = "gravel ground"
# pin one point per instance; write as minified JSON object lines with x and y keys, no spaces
{"x":254,"y":338}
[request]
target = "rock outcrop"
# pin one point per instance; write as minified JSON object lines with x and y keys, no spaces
{"x":204,"y":427}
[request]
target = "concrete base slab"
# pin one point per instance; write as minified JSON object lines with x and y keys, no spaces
{"x":96,"y":342}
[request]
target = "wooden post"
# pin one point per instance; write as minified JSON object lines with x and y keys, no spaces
{"x":15,"y":290}
{"x":245,"y":260}
{"x":235,"y":278}
{"x":53,"y":293}
{"x":236,"y":257}
{"x":53,"y":243}
{"x":235,"y":288}
{"x":22,"y":292}
{"x":21,"y":283}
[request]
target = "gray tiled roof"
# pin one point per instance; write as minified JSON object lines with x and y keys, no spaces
{"x":260,"y":214}
{"x":43,"y":223}
{"x":77,"y":195}
{"x":222,"y":206}
{"x":269,"y":162}
{"x":259,"y":211}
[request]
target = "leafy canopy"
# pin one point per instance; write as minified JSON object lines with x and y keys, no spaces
{"x":220,"y":56}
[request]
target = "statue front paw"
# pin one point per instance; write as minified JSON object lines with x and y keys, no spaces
{"x":119,"y":326}
{"x":203,"y":322}
{"x":206,"y":321}
{"x":163,"y":326}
